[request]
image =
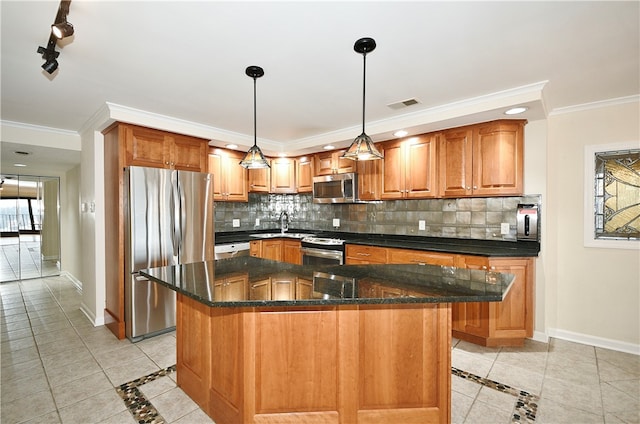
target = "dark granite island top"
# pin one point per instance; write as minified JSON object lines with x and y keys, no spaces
{"x":307,"y":285}
{"x":260,"y":341}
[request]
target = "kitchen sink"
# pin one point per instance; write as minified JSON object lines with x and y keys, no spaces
{"x":285,"y":235}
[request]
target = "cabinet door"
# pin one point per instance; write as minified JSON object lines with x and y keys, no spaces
{"x":259,"y":180}
{"x":260,"y":290}
{"x":283,"y":287}
{"x":304,"y":288}
{"x":323,"y":163}
{"x":214,"y":166}
{"x":304,"y":175}
{"x":498,"y":159}
{"x":237,"y":178}
{"x":283,"y":176}
{"x":369,"y":179}
{"x":341,"y":165}
{"x":420,"y":167}
{"x":291,"y":251}
{"x":146,"y":147}
{"x":188,"y":153}
{"x":456,"y":165}
{"x":272,"y":249}
{"x":393,"y":171}
{"x":514,"y":315}
{"x":255,"y":248}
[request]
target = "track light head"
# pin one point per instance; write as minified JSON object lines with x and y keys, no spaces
{"x":62,"y":30}
{"x":50,"y":66}
{"x":50,"y":55}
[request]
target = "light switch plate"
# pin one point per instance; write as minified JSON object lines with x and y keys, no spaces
{"x":336,"y":222}
{"x":422,"y":225}
{"x":504,"y":228}
{"x":236,"y":223}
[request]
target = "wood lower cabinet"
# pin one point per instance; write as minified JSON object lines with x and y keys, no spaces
{"x":279,"y":249}
{"x":340,"y":364}
{"x":230,"y":180}
{"x":231,"y":288}
{"x":362,"y":254}
{"x":505,"y":323}
{"x":132,"y":145}
{"x":482,"y":160}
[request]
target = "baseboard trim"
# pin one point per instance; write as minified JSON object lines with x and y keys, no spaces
{"x":594,"y":341}
{"x":73,"y":279}
{"x":539,"y":336}
{"x":87,"y":312}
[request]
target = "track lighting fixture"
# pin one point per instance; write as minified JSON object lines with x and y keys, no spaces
{"x":362,"y":147}
{"x":254,"y":159}
{"x":61,"y":28}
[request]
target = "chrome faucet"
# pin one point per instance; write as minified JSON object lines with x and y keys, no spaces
{"x":284,"y":221}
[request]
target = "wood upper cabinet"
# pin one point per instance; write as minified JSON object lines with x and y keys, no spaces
{"x":259,"y":180}
{"x":369,"y":179}
{"x":483,"y":160}
{"x":283,"y":175}
{"x":409,"y":168}
{"x":304,"y":174}
{"x":159,"y":149}
{"x":230,"y":180}
{"x":327,"y":163}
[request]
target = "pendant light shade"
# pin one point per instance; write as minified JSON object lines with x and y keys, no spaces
{"x":254,"y":159}
{"x":362,"y":148}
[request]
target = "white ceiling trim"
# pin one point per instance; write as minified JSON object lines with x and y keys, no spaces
{"x":595,"y":105}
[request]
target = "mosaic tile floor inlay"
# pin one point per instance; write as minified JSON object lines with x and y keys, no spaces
{"x":143,"y":411}
{"x":137,"y":403}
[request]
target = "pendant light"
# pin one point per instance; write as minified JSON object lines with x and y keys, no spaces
{"x":254,"y":159}
{"x":362,"y":147}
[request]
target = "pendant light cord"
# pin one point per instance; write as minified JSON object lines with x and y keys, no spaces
{"x":364,"y":80}
{"x":255,"y":126}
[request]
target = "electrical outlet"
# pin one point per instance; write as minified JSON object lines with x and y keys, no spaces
{"x":236,"y":223}
{"x":257,"y":222}
{"x":336,"y":222}
{"x":504,"y":228}
{"x":422,"y":225}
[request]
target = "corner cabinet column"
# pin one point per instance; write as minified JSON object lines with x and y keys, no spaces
{"x":132,"y":145}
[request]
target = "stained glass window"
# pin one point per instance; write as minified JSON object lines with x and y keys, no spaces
{"x":617,"y":195}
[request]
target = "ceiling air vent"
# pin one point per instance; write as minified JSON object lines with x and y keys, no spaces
{"x":403,"y":103}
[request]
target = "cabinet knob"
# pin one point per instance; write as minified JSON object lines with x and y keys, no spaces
{"x":468,"y":188}
{"x":475,"y":187}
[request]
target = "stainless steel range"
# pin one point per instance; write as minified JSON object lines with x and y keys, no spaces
{"x":322,"y":251}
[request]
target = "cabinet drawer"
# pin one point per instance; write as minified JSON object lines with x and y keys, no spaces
{"x":405,"y":256}
{"x":366,"y":254}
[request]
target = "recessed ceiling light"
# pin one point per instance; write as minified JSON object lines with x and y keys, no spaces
{"x":516,"y":110}
{"x":400,"y":133}
{"x":282,"y":155}
{"x":231,"y":146}
{"x":329,"y":147}
{"x":19,"y":165}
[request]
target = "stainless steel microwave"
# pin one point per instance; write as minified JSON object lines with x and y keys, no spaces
{"x":336,"y":188}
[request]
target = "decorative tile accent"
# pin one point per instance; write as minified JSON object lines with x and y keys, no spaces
{"x":526,"y":403}
{"x":144,"y":412}
{"x":139,"y":406}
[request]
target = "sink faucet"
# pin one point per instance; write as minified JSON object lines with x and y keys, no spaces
{"x":284,"y":221}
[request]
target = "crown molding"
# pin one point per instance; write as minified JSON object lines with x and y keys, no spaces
{"x":595,"y":105}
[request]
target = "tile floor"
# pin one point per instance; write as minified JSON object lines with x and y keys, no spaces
{"x":58,"y":368}
{"x":20,"y":258}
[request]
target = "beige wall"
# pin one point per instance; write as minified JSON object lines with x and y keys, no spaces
{"x":70,"y":222}
{"x":591,"y":294}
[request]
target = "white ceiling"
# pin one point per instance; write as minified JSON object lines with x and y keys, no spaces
{"x":185,"y":61}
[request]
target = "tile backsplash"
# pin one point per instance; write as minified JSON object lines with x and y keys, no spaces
{"x":472,"y":218}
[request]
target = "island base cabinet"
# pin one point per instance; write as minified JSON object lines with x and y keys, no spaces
{"x":327,"y":364}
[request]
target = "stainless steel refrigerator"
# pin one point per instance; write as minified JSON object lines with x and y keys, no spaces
{"x":169,"y":221}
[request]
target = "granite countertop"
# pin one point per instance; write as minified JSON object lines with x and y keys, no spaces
{"x":493,"y":248}
{"x":250,"y":282}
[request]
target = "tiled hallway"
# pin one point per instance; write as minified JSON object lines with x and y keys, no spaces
{"x":58,"y":368}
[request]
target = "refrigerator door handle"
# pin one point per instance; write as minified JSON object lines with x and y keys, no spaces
{"x":176,"y":238}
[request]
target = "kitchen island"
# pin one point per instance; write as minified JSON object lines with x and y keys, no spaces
{"x":262,"y":341}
